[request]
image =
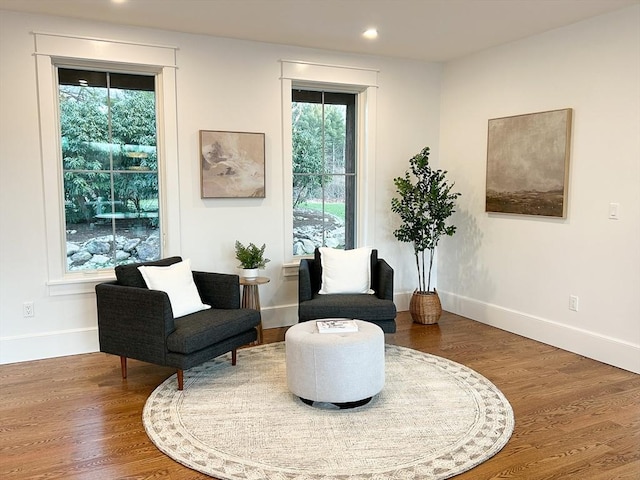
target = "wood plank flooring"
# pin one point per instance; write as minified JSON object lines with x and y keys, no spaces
{"x":75,"y":418}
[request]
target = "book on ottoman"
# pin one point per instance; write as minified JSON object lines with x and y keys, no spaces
{"x":336,"y":325}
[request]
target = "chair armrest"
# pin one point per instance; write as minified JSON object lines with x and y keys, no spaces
{"x":304,"y":281}
{"x":220,"y":290}
{"x":384,"y":280}
{"x":133,"y":322}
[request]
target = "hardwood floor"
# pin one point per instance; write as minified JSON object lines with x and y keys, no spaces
{"x":75,"y":418}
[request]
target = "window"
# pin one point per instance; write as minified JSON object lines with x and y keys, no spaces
{"x":324,"y":170}
{"x":357,"y":180}
{"x":109,"y":167}
{"x":54,"y":52}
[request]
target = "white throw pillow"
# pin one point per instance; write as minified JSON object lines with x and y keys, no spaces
{"x":177,"y":281}
{"x":345,"y":271}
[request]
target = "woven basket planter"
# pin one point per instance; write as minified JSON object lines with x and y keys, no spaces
{"x":425,"y":307}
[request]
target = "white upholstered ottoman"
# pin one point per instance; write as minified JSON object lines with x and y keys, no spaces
{"x":345,"y":369}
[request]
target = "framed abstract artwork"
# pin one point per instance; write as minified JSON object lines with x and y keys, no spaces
{"x":232,"y":164}
{"x":528,"y":163}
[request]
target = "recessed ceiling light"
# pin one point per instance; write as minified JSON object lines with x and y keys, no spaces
{"x":370,"y":33}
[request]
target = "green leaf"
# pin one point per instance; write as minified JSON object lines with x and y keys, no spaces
{"x":251,"y":256}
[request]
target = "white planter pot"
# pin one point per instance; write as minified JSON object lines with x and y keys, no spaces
{"x":249,"y":273}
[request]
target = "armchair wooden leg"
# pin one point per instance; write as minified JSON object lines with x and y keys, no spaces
{"x":234,"y":356}
{"x":259,"y":330}
{"x":180,"y":379}
{"x":123,"y":366}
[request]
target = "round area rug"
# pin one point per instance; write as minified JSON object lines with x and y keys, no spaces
{"x":434,"y":419}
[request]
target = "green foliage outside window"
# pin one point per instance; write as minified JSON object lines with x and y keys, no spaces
{"x":103,"y":132}
{"x":313,"y":164}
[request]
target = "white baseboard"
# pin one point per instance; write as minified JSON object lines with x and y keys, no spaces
{"x":592,"y":345}
{"x":605,"y":349}
{"x":402,"y":301}
{"x":23,"y":348}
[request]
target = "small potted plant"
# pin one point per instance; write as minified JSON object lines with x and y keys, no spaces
{"x":424,"y":207}
{"x":251,"y":259}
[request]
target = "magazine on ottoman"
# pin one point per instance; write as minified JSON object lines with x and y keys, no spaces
{"x":336,"y":325}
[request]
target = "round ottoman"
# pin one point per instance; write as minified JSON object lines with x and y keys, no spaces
{"x":345,"y":369}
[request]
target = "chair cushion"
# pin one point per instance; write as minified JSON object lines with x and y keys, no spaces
{"x":207,"y":327}
{"x":130,"y":276}
{"x":359,"y":306}
{"x":345,"y":271}
{"x":177,"y":281}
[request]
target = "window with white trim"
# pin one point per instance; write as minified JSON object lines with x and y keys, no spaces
{"x":361,"y":83}
{"x":54,"y":51}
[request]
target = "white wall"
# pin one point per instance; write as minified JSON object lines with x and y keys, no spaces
{"x":517,"y":272}
{"x":221,"y":85}
{"x":513,"y":272}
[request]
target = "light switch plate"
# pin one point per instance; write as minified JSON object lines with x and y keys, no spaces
{"x":614,"y":211}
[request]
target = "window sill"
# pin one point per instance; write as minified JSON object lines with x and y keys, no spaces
{"x":78,"y":285}
{"x":291,"y":269}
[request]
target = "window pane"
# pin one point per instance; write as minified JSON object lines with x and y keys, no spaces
{"x":334,"y":138}
{"x":84,"y":78}
{"x":308,"y":220}
{"x":85,"y":194}
{"x":84,"y":125}
{"x":334,"y":212}
{"x":135,"y":220}
{"x":110,"y":165}
{"x":307,"y":138}
{"x":137,"y":193}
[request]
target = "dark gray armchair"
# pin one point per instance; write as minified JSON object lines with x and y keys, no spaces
{"x":377,"y":308}
{"x":135,"y":322}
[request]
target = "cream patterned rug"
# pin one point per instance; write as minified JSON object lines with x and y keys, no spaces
{"x":434,"y":419}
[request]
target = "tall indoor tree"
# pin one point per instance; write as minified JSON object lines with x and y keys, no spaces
{"x":424,"y":204}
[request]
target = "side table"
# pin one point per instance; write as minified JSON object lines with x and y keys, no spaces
{"x":251,"y":296}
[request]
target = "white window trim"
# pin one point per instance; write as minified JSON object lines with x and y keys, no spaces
{"x":53,"y":49}
{"x":364,"y":83}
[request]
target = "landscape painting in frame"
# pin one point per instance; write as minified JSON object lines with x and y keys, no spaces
{"x":232,"y":164}
{"x":528,"y":163}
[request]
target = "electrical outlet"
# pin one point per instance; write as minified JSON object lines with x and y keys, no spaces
{"x":573,"y":303}
{"x":27,"y":309}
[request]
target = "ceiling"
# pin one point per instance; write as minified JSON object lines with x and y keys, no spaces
{"x":430,"y":30}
